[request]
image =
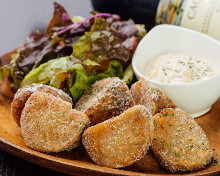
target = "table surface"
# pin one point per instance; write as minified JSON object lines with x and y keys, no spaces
{"x":11,"y":165}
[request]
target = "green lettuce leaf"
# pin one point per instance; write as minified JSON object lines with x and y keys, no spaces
{"x":141,"y":30}
{"x":128,"y":74}
{"x":89,"y":62}
{"x":4,"y":72}
{"x":11,"y":71}
{"x":100,"y":24}
{"x":72,"y":73}
{"x":100,"y":45}
{"x":83,"y":47}
{"x":77,"y":19}
{"x":83,"y":82}
{"x":53,"y":73}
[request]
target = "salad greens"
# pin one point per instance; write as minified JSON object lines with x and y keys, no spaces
{"x":68,"y":70}
{"x":74,"y":53}
{"x":82,"y":81}
{"x":49,"y":73}
{"x":128,"y":74}
{"x":11,"y":71}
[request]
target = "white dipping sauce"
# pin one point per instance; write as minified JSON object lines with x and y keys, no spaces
{"x":178,"y":68}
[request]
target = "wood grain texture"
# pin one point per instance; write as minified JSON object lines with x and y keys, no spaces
{"x":77,"y":161}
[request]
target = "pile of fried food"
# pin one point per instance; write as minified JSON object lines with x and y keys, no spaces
{"x":117,"y":126}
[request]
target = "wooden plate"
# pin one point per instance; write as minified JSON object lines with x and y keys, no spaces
{"x":77,"y":162}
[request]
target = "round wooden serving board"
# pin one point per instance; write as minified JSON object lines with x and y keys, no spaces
{"x":77,"y":161}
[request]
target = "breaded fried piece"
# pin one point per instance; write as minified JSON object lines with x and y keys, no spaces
{"x":107,"y":98}
{"x":49,"y":124}
{"x":179,"y":142}
{"x":119,"y":141}
{"x":24,"y":93}
{"x":151,"y":96}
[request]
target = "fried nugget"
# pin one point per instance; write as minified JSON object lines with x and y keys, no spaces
{"x":179,"y":142}
{"x":107,"y":98}
{"x":119,"y":141}
{"x":24,"y":93}
{"x":49,"y":124}
{"x":151,"y":96}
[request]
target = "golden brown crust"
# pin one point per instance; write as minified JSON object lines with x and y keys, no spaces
{"x":151,"y":96}
{"x":107,"y":98}
{"x":18,"y":104}
{"x":179,"y":142}
{"x":49,"y":124}
{"x":24,"y":93}
{"x":119,"y":141}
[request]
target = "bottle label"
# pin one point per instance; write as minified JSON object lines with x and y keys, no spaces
{"x":202,"y":16}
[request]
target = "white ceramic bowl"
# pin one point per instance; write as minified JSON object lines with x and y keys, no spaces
{"x":195,"y":98}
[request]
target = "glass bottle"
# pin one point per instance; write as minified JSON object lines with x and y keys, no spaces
{"x":199,"y":15}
